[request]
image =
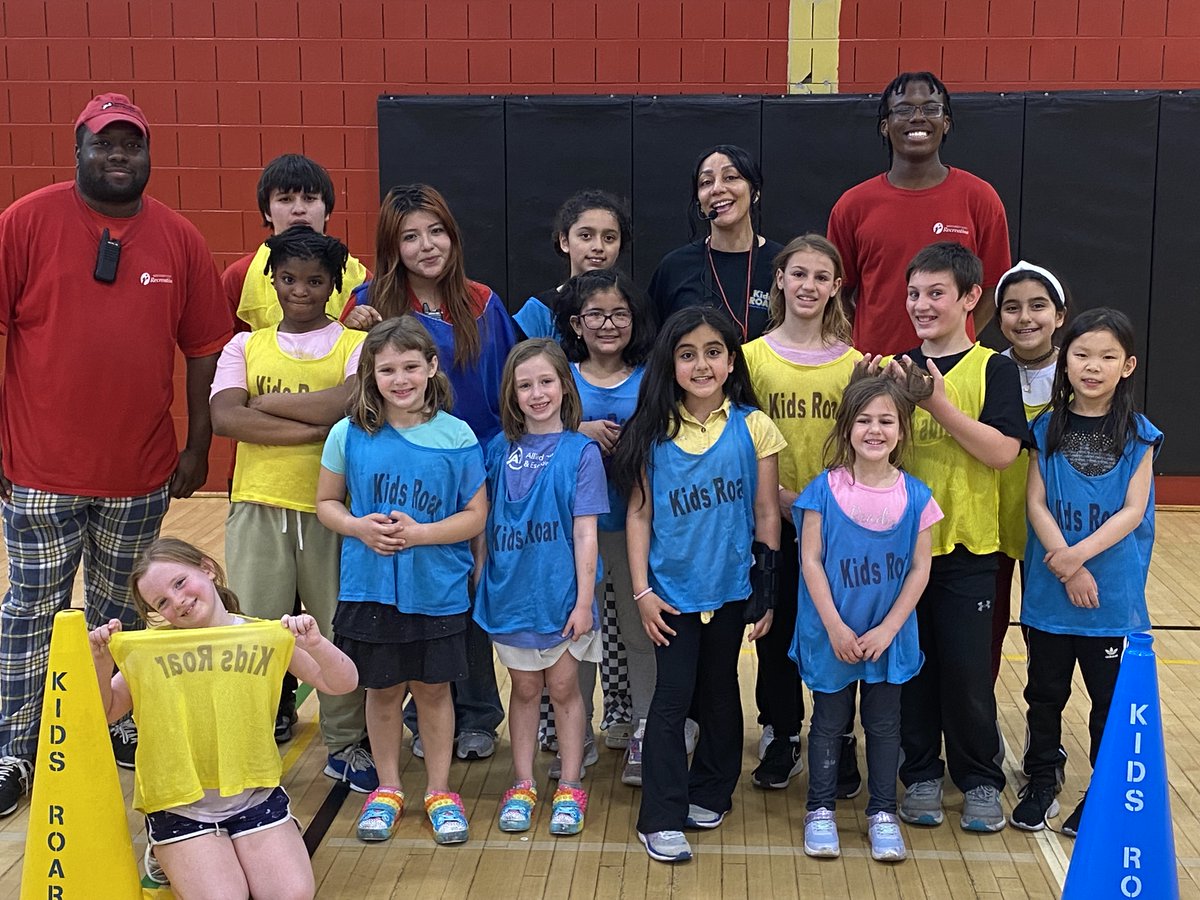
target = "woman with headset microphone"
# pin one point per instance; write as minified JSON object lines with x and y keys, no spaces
{"x":731,"y":268}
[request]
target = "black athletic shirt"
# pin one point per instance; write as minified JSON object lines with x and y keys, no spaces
{"x":684,"y":278}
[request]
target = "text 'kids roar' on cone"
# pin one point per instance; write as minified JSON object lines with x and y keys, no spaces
{"x":78,"y":845}
{"x":1125,"y":846}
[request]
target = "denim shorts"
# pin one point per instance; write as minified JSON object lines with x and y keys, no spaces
{"x":165,"y":827}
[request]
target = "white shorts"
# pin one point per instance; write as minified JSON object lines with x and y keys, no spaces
{"x":526,"y":659}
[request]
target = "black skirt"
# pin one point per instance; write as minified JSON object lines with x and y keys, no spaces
{"x":390,"y":647}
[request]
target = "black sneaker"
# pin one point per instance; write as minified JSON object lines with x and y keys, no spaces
{"x":849,"y":781}
{"x":16,"y":775}
{"x":1037,"y":804}
{"x":1071,"y":827}
{"x":124,"y":740}
{"x":782,"y":760}
{"x":283,"y":726}
{"x":285,"y":717}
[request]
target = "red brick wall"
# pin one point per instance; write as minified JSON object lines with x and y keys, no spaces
{"x":1017,"y":45}
{"x":229,"y":84}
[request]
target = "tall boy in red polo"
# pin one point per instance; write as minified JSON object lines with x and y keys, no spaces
{"x":880,"y":224}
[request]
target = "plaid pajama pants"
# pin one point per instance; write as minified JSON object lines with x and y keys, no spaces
{"x":47,"y":535}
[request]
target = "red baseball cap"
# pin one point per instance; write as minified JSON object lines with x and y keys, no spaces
{"x":105,"y":109}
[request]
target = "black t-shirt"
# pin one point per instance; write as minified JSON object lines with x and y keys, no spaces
{"x":685,"y":278}
{"x":1003,"y":406}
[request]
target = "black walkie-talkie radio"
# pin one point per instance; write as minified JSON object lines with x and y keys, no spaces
{"x":107,"y":257}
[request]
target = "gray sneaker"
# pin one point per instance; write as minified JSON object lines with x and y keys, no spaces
{"x":981,"y":810}
{"x":618,"y":735}
{"x":475,"y":745}
{"x":591,"y":756}
{"x":632,"y":773}
{"x":922,"y":803}
{"x":666,"y":846}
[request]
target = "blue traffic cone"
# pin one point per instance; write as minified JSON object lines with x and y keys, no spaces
{"x":1125,"y":846}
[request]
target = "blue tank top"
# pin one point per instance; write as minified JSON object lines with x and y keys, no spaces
{"x":1080,"y":504}
{"x":536,"y":319}
{"x":703,"y":519}
{"x":616,"y":404}
{"x":476,"y":387}
{"x":865,"y":569}
{"x":529,"y":579}
{"x":386,"y":472}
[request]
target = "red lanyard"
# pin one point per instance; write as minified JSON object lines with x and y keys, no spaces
{"x":743,"y":323}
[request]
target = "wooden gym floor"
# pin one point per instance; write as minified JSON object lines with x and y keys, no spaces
{"x":757,"y":852}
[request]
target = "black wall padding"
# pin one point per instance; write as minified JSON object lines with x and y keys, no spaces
{"x":814,"y":148}
{"x":555,"y":147}
{"x":1087,"y":198}
{"x":455,"y":144}
{"x":1175,"y":292}
{"x":986,"y":139}
{"x":668,"y":134}
{"x":1098,"y":186}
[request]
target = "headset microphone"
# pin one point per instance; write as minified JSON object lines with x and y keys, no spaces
{"x":706,"y":216}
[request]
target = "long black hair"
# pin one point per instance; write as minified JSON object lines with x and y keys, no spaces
{"x":575,"y":295}
{"x":656,"y":418}
{"x":1121,"y":422}
{"x":747,"y":168}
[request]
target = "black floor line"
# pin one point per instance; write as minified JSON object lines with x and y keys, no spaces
{"x":319,"y":826}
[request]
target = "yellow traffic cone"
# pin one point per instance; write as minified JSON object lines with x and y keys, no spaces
{"x":78,"y":842}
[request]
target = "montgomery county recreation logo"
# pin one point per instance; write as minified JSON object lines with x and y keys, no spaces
{"x":147,"y":278}
{"x":942,"y":228}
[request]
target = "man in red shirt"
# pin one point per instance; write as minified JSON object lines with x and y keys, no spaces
{"x":99,"y":284}
{"x":881,"y":224}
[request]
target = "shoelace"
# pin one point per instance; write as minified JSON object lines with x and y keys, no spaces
{"x":886,"y":828}
{"x":822,"y":827}
{"x":924,"y":789}
{"x":358,"y":760}
{"x":124,"y":729}
{"x":23,"y":768}
{"x":1036,"y":789}
{"x":984,"y":792}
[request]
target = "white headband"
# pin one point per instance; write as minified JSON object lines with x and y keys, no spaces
{"x":1060,"y":301}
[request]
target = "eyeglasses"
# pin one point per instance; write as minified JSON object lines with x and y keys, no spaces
{"x":907,"y":110}
{"x":595,"y":320}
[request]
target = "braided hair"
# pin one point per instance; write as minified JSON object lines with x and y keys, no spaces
{"x":301,"y":242}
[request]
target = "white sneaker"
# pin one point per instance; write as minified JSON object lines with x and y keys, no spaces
{"x":154,"y":871}
{"x":764,"y":742}
{"x":691,"y":734}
